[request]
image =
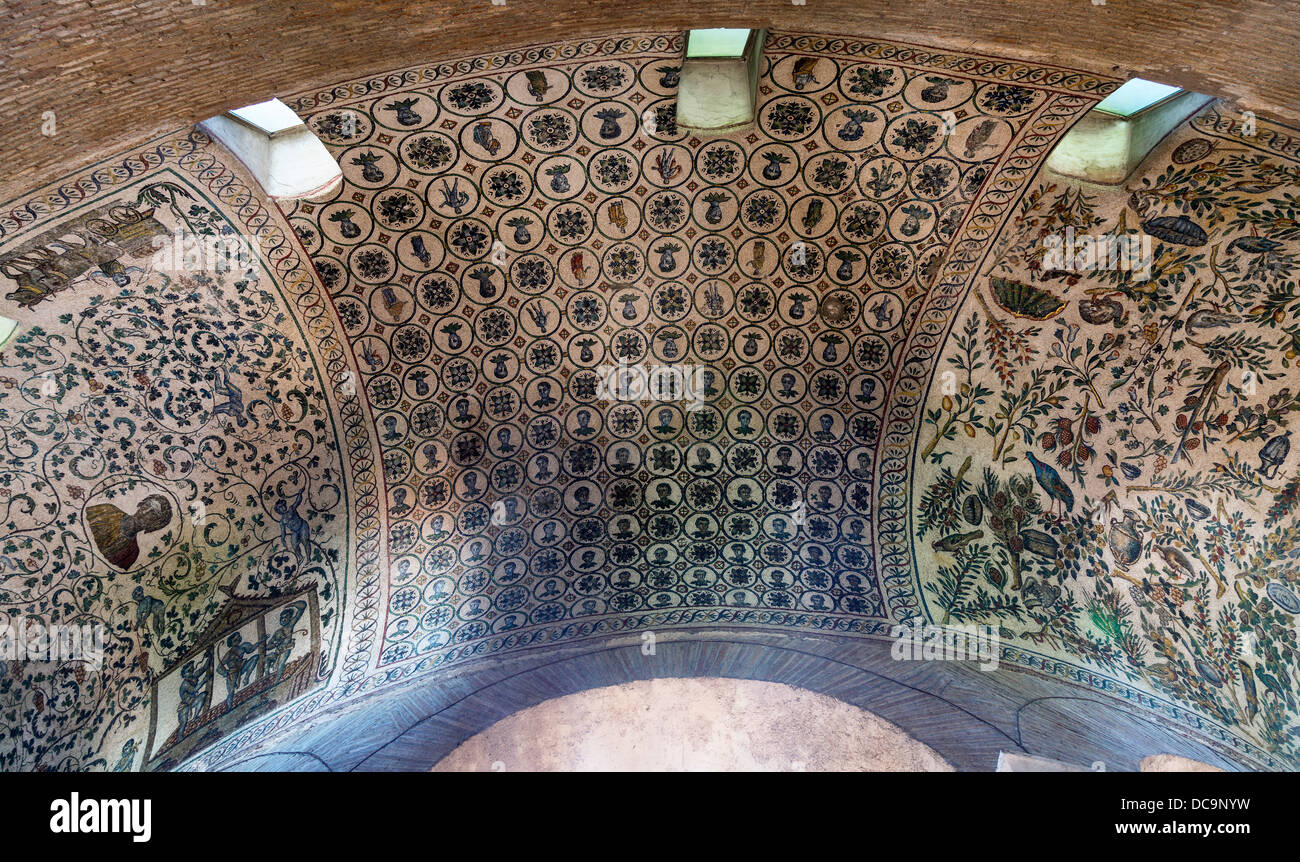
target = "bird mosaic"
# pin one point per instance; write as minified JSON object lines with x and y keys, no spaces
{"x":174,"y":404}
{"x":1050,"y":481}
{"x":1152,"y":416}
{"x":409,"y":413}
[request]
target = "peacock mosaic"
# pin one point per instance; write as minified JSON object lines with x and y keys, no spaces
{"x":385,"y":446}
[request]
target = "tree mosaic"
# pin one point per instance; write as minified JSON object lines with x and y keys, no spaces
{"x":1104,"y":470}
{"x":168,"y":452}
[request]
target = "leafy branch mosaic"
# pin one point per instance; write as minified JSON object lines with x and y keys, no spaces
{"x":281,"y":488}
{"x":1105,"y":467}
{"x":171,"y":470}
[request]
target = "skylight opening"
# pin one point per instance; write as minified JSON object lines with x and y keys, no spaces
{"x":271,"y":116}
{"x":1135,"y":96}
{"x":718,"y":85}
{"x":1112,"y":140}
{"x":279,"y":150}
{"x":716,"y":43}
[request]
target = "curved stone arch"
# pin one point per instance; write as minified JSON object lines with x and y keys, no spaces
{"x":966,"y":716}
{"x":711,"y":724}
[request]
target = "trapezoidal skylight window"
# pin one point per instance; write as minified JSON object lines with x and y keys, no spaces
{"x":271,"y":116}
{"x":1121,"y":130}
{"x":1135,"y":96}
{"x":719,"y":79}
{"x":277,"y":148}
{"x":718,"y":43}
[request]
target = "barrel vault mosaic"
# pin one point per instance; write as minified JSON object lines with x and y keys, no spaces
{"x":506,"y":236}
{"x":883,"y":404}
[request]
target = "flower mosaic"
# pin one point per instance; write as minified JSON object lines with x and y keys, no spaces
{"x":283,"y":487}
{"x":1104,"y":469}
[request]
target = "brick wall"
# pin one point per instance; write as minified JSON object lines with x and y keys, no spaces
{"x":116,"y":72}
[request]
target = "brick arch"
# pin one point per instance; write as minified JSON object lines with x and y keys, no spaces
{"x":964,"y":716}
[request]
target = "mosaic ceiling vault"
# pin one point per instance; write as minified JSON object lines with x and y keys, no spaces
{"x":284,"y":486}
{"x":504,"y":239}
